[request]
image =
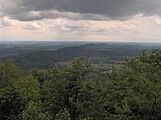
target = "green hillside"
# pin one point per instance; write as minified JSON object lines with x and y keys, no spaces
{"x":44,"y":59}
{"x":44,"y":55}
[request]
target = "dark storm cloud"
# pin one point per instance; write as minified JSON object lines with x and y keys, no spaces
{"x":84,"y":9}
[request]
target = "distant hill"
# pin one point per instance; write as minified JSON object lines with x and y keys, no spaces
{"x":44,"y":55}
{"x":44,"y":59}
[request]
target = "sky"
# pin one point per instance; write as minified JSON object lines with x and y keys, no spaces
{"x":81,"y":20}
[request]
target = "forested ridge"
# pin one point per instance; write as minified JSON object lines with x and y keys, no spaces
{"x":132,"y":92}
{"x":42,"y":56}
{"x":45,"y":59}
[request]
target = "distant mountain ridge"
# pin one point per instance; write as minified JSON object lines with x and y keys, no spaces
{"x":44,"y":59}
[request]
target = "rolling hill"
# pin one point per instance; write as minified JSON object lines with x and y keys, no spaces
{"x":44,"y":59}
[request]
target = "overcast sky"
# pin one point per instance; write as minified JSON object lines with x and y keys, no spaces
{"x":68,"y":20}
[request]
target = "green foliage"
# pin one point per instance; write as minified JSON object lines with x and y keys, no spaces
{"x":63,"y":115}
{"x":41,"y":75}
{"x":64,"y":89}
{"x":9,"y":102}
{"x":28,"y":88}
{"x":33,"y":111}
{"x":8,"y":73}
{"x":132,"y":92}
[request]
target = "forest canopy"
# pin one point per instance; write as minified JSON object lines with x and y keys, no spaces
{"x":77,"y":92}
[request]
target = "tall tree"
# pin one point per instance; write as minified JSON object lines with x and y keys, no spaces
{"x":9,"y":102}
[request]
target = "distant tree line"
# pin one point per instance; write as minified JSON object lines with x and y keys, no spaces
{"x":132,"y":92}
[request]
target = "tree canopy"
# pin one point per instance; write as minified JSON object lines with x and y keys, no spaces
{"x":132,"y":92}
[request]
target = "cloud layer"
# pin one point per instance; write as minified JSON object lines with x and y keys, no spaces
{"x":107,"y":20}
{"x":27,"y":10}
